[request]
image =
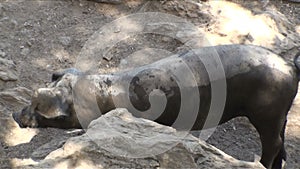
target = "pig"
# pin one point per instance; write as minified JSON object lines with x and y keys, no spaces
{"x":259,"y":85}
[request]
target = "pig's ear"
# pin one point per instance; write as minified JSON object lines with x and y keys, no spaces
{"x":58,"y":75}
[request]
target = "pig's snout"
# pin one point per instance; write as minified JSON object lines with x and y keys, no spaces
{"x":25,"y":118}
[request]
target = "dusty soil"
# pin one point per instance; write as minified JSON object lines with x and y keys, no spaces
{"x":44,"y":36}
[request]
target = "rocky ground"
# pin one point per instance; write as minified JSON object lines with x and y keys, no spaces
{"x":40,"y":37}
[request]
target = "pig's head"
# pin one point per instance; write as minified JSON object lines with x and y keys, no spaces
{"x":52,"y":106}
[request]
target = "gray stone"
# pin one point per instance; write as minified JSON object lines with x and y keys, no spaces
{"x":108,"y":1}
{"x":45,"y":149}
{"x":119,"y":140}
{"x":65,"y":40}
{"x":7,"y":70}
{"x":25,"y":51}
{"x":2,"y":54}
{"x":16,"y":97}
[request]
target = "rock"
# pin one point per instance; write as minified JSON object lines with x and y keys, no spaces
{"x":45,"y":149}
{"x":2,"y":54}
{"x":13,"y":23}
{"x":192,"y":15}
{"x":7,"y":70}
{"x":4,"y":45}
{"x":298,"y":1}
{"x":56,"y":142}
{"x":112,"y":141}
{"x":65,"y":40}
{"x":108,"y":1}
{"x":16,"y":97}
{"x":24,"y":51}
{"x":1,"y":10}
{"x":107,"y":57}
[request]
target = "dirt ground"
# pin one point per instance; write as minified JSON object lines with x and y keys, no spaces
{"x":42,"y":37}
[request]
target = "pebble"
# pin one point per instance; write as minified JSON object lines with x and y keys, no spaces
{"x":14,"y":23}
{"x":28,"y":24}
{"x":29,"y":43}
{"x":1,"y":10}
{"x":65,"y":40}
{"x":192,"y":14}
{"x":2,"y":54}
{"x":107,"y":57}
{"x":117,"y":30}
{"x":166,"y":39}
{"x":2,"y":46}
{"x":24,"y":51}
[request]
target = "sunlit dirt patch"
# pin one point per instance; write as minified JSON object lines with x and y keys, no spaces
{"x":77,"y":163}
{"x":298,"y":29}
{"x":16,"y":135}
{"x":292,"y":134}
{"x":15,"y":162}
{"x":293,"y":126}
{"x":236,"y":24}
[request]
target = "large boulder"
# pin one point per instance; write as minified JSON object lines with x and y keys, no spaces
{"x":119,"y":140}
